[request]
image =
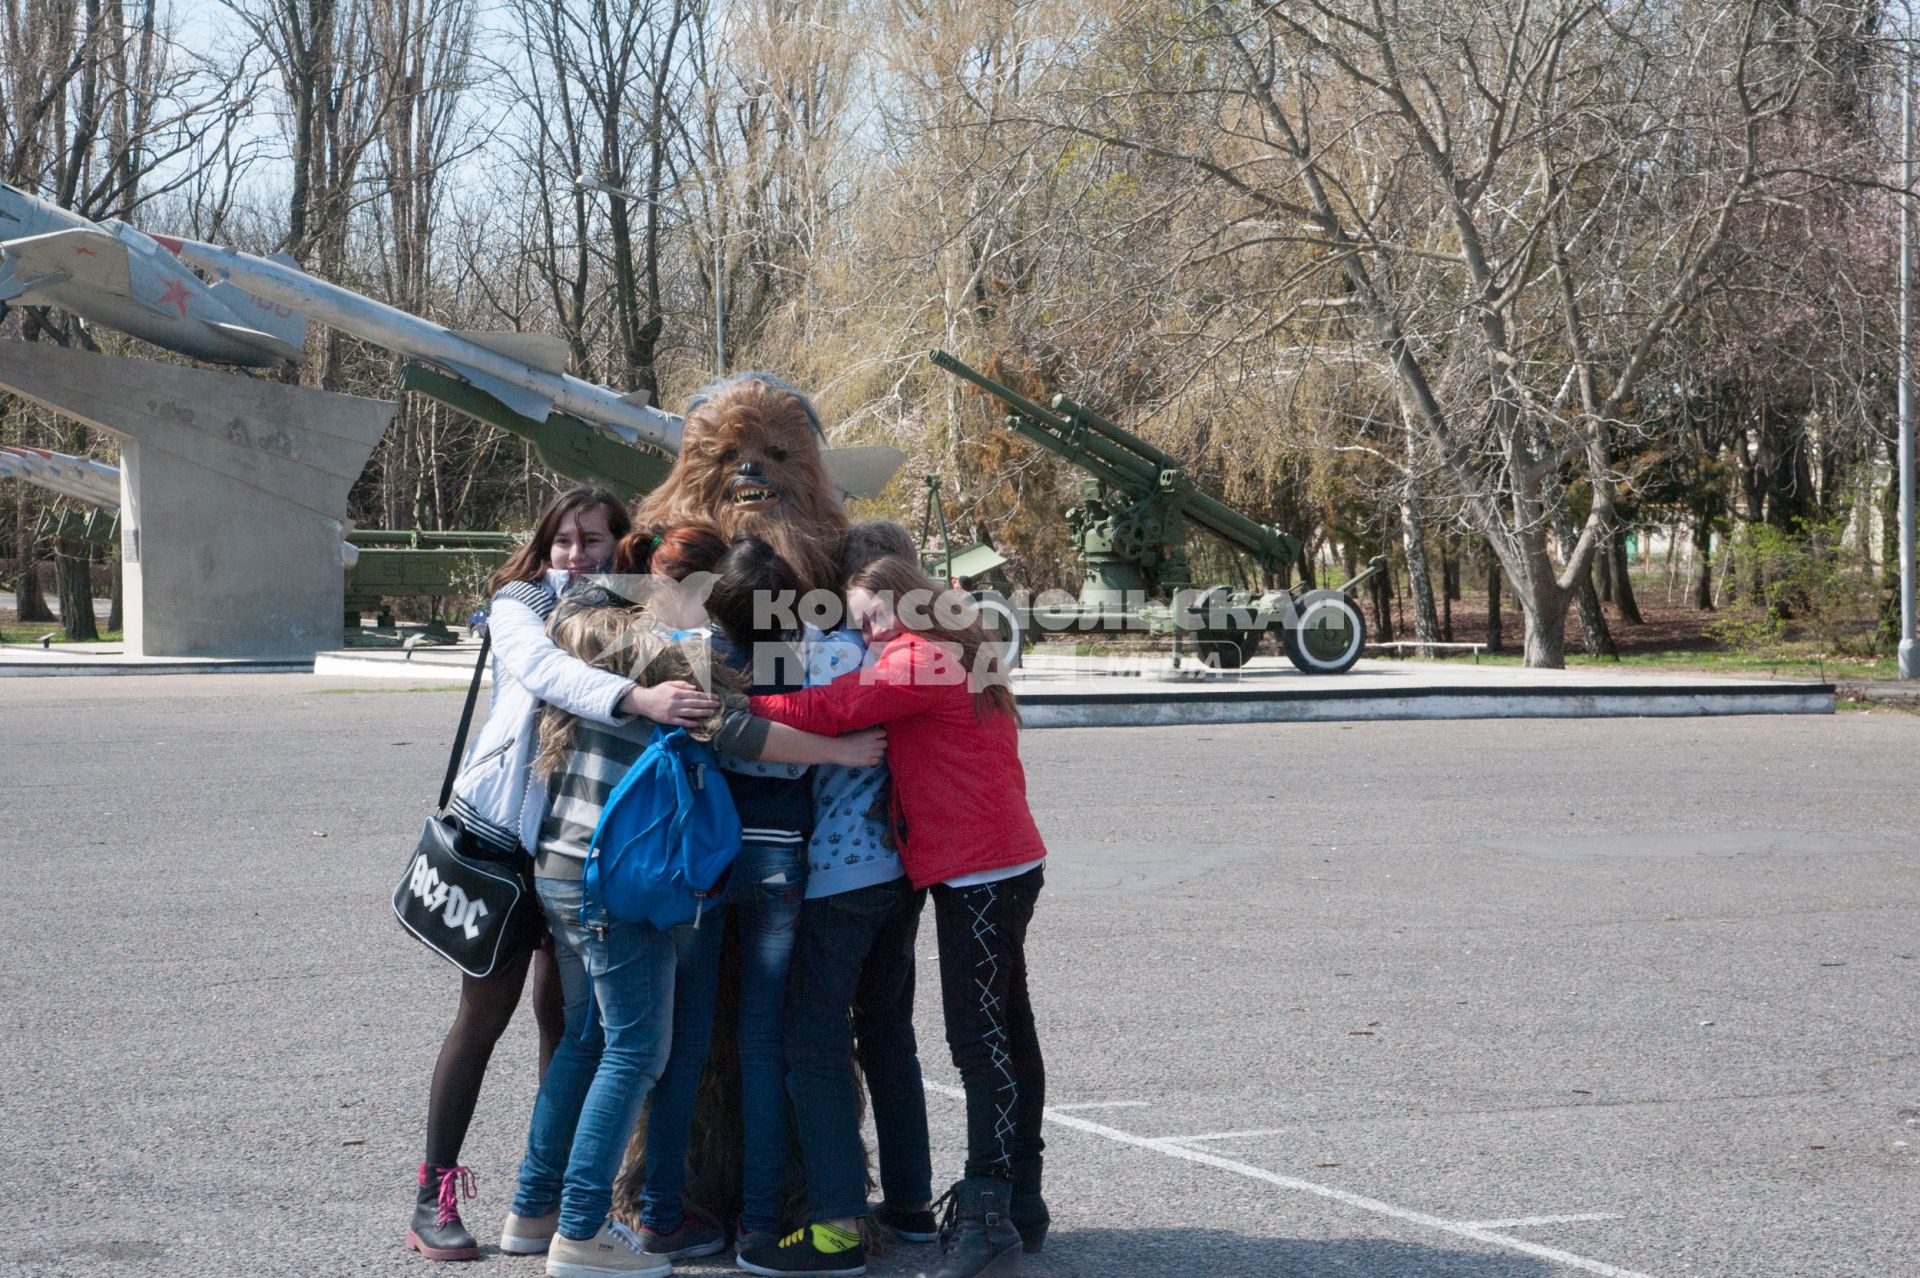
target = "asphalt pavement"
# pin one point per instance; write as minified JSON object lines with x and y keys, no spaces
{"x":1481,"y":999}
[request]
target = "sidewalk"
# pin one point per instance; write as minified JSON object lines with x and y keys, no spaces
{"x":1064,"y":691}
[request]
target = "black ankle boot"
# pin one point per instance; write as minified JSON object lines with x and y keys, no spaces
{"x":1026,"y":1208}
{"x":1030,"y":1218}
{"x":977,"y":1238}
{"x":435,"y":1230}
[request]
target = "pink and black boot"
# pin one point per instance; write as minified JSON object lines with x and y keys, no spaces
{"x":435,"y":1230}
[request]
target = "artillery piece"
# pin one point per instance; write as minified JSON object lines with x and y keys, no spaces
{"x":1129,"y":534}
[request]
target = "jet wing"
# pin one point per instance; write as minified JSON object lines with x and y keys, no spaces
{"x":267,"y":342}
{"x":87,"y":257}
{"x":525,"y":402}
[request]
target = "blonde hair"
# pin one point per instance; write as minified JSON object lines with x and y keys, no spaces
{"x":628,"y":641}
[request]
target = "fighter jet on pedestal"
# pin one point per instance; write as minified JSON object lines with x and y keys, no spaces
{"x":108,"y":273}
{"x":255,"y":314}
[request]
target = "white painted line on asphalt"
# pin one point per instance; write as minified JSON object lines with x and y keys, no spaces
{"x":1458,"y":1229}
{"x":1098,"y":1105}
{"x":1525,"y":1222}
{"x":1207,"y":1136}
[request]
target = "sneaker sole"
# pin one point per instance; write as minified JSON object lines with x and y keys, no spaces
{"x":568,"y":1269}
{"x":766,"y":1272}
{"x":440,"y":1253}
{"x":694,"y":1252}
{"x":515,"y":1246}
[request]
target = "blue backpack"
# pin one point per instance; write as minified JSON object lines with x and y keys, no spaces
{"x":666,"y":837}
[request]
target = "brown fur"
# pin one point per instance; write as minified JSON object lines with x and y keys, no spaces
{"x":742,"y":423}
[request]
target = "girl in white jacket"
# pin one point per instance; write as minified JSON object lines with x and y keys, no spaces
{"x":502,"y":806}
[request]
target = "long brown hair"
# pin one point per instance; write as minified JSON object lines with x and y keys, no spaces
{"x":950,"y":618}
{"x":529,"y":563}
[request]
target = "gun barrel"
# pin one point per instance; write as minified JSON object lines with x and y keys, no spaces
{"x":1119,"y":459}
{"x":1209,"y":512}
{"x":1007,"y":394}
{"x":1085,"y":416}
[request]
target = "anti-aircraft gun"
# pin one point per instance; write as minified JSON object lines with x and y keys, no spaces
{"x":1129,"y":534}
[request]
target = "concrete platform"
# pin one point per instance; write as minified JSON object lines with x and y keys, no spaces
{"x":1093,"y":692}
{"x":21,"y":659}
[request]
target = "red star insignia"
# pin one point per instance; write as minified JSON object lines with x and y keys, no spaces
{"x":84,"y":249}
{"x":178,"y":294}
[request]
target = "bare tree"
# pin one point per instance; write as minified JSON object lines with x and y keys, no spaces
{"x":1519,"y":202}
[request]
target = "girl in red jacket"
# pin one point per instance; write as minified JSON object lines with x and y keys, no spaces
{"x":964,"y":830}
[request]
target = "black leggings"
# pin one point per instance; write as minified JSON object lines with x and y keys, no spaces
{"x":485,"y":1008}
{"x":983,"y":991}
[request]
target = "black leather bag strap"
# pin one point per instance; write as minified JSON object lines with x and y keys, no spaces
{"x":466,"y":721}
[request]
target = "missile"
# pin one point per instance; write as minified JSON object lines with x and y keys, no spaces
{"x":81,"y":478}
{"x":524,"y":371}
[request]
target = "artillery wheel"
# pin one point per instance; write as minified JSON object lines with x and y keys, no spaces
{"x":1001,"y":625}
{"x":1227,"y":649}
{"x":1330,"y":636}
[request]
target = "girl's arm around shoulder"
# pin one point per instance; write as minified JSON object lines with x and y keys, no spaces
{"x":530,"y":658}
{"x":909,"y":676}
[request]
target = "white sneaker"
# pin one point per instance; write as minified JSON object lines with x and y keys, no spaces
{"x":528,"y":1235}
{"x":614,"y":1252}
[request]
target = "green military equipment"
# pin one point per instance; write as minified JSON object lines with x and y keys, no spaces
{"x":95,"y":525}
{"x":1130,"y":531}
{"x":405,"y":564}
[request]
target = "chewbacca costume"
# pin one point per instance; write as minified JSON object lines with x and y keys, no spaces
{"x":750,"y":462}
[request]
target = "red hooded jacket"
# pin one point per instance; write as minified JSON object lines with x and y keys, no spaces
{"x":959,"y":793}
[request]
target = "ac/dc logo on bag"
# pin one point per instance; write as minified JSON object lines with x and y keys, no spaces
{"x":434,"y":892}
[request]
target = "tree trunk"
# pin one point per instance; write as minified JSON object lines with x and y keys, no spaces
{"x":1426,"y":621}
{"x":1890,"y":556}
{"x":30,"y":603}
{"x":1593,"y":622}
{"x":1546,"y":623}
{"x":1382,"y":606}
{"x":1702,"y":592}
{"x":1603,"y":566}
{"x":1496,"y":642}
{"x":1623,"y":583}
{"x":116,"y":615}
{"x":72,"y":579}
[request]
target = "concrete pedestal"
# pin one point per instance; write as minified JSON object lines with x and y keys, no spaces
{"x":233,"y":501}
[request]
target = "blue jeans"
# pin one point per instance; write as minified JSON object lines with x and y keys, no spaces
{"x":764,"y":898}
{"x":616,"y":979}
{"x":851,"y":992}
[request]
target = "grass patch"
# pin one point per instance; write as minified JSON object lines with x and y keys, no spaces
{"x":31,"y":632}
{"x":1785,"y":665}
{"x":1876,"y":707}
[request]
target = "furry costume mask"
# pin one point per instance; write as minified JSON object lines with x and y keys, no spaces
{"x":750,"y":462}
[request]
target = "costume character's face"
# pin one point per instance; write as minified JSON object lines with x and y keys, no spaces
{"x":750,"y":461}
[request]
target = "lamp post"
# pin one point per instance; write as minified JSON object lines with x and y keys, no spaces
{"x":586,"y":182}
{"x":1909,"y":659}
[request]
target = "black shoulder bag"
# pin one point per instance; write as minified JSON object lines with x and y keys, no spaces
{"x":471,"y":906}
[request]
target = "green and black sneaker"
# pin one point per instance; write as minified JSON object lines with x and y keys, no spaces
{"x":817,"y":1249}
